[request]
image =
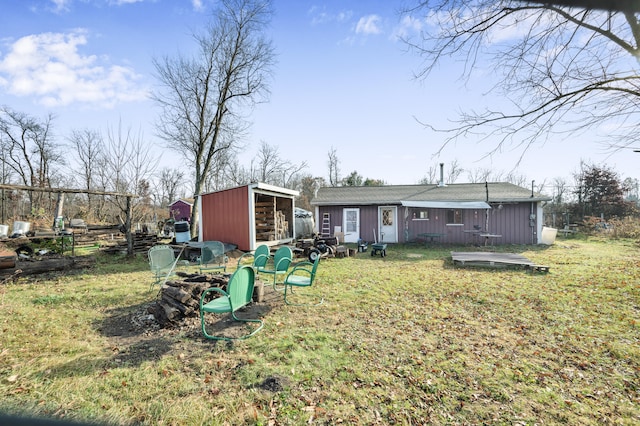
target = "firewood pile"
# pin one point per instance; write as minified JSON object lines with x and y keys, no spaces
{"x":282,"y":226}
{"x":179,"y":299}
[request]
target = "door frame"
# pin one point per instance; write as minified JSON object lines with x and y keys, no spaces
{"x":351,"y":237}
{"x":395,"y":224}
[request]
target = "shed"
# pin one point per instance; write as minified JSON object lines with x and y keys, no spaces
{"x":248,"y":215}
{"x":181,"y":209}
{"x":498,"y":212}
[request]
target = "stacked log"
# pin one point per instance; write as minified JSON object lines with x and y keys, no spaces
{"x":180,"y":299}
{"x":265,"y":220}
{"x":282,"y":226}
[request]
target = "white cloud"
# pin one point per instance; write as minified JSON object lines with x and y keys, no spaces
{"x":197,"y":5}
{"x":50,"y":67}
{"x":60,"y":5}
{"x":409,"y":25}
{"x":319,"y":16}
{"x":369,"y":25}
{"x":121,"y":2}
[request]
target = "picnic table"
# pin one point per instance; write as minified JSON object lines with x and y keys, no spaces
{"x":487,"y":236}
{"x":430,"y":235}
{"x":568,"y":230}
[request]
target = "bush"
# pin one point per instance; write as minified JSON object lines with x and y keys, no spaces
{"x":628,"y":227}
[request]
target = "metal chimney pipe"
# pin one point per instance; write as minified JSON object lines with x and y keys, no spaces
{"x":441,"y":175}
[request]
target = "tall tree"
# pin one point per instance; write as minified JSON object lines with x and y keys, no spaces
{"x":205,"y":98}
{"x":309,"y":185}
{"x":129,"y":165}
{"x":632,"y":192}
{"x":354,"y":179}
{"x":564,"y":69}
{"x":333,"y":164}
{"x":170,"y":181}
{"x":269,"y":167}
{"x":600,"y":192}
{"x":29,"y":148}
{"x":89,"y":147}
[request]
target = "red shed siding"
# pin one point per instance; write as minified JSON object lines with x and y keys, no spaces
{"x":225,"y":217}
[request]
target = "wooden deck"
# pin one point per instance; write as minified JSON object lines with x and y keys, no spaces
{"x":490,"y":259}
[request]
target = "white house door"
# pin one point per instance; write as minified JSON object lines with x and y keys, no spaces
{"x":351,"y":225}
{"x":388,"y":224}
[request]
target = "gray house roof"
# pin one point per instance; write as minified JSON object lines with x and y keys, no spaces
{"x":498,"y":192}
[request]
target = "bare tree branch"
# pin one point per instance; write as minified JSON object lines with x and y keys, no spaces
{"x":565,"y":70}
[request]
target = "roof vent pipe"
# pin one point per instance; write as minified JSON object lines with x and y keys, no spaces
{"x":441,"y":183}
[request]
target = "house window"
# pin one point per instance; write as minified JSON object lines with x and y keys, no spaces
{"x":454,"y":216}
{"x":420,"y":215}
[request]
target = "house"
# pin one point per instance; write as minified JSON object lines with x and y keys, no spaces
{"x":248,"y":215}
{"x":180,"y":209}
{"x":501,"y":213}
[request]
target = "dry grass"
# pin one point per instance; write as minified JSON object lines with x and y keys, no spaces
{"x":407,"y":339}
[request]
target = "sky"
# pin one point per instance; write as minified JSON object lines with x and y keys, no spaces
{"x":343,"y":81}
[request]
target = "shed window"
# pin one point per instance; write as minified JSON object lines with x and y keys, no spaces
{"x":454,"y":216}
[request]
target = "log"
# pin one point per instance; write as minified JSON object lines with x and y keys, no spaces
{"x":176,"y":293}
{"x":183,"y":308}
{"x":47,"y":265}
{"x":170,"y":312}
{"x":180,"y":299}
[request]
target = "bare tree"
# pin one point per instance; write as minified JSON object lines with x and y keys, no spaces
{"x":564,"y":69}
{"x":269,"y":167}
{"x":170,"y":181}
{"x":30,"y":152}
{"x":128,"y":166}
{"x":520,"y":180}
{"x":203,"y":98}
{"x":334,"y":167}
{"x":431,"y":177}
{"x":453,"y":171}
{"x":89,"y":146}
{"x":236,"y":174}
{"x":480,"y":175}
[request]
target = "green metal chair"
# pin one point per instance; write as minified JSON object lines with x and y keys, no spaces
{"x":212,"y":257}
{"x":163,"y":261}
{"x":239,"y":293}
{"x":302,"y":275}
{"x":260,"y":256}
{"x":280,"y":265}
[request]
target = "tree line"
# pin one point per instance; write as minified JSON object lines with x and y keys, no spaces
{"x":567,"y":70}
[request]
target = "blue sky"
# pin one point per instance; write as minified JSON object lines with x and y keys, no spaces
{"x":342,"y":80}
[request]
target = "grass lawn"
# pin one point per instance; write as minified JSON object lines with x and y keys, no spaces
{"x":405,"y":339}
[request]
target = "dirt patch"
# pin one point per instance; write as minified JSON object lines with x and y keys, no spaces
{"x":274,"y":384}
{"x":135,"y":336}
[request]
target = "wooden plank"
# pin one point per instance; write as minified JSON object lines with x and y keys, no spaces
{"x":490,"y":259}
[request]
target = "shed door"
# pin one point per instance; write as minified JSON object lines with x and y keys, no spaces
{"x":388,"y":224}
{"x":351,"y":225}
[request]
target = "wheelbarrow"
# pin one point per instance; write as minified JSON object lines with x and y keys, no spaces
{"x":378,"y":247}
